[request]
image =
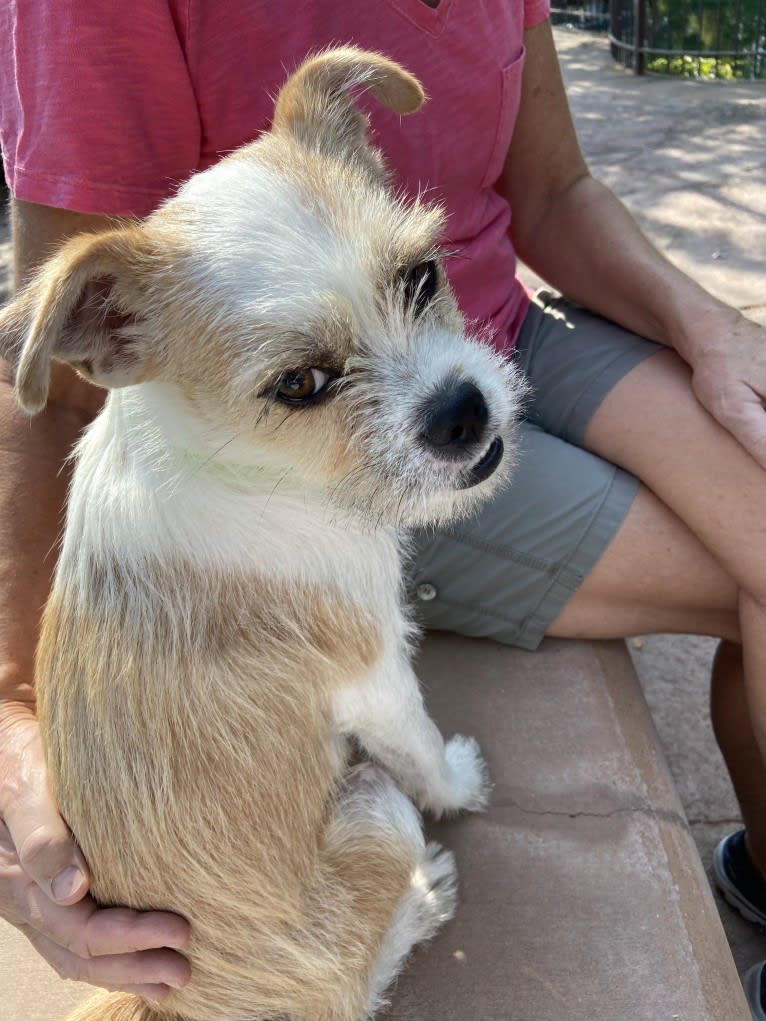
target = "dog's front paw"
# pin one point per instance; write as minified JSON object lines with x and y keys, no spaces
{"x":468,"y":773}
{"x":468,"y":784}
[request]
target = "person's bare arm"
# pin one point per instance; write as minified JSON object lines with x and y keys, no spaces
{"x":574,"y":232}
{"x":32,"y":452}
{"x":43,"y":877}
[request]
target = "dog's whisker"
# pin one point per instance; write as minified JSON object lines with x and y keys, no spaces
{"x":279,"y":481}
{"x":357,"y":472}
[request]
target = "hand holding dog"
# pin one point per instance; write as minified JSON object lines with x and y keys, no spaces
{"x":44,"y":884}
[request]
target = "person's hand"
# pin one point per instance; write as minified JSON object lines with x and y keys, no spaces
{"x":728,"y":361}
{"x":44,"y":885}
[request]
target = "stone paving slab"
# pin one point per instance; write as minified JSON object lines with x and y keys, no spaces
{"x":582,"y":896}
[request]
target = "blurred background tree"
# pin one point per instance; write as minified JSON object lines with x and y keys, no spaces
{"x":695,"y":38}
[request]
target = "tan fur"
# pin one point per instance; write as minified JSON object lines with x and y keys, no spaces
{"x":116,"y":1007}
{"x":83,"y":259}
{"x":316,"y":106}
{"x":216,"y":736}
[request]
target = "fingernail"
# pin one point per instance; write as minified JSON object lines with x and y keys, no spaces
{"x":67,"y":883}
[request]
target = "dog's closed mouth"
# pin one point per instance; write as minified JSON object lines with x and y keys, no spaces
{"x":485,"y":466}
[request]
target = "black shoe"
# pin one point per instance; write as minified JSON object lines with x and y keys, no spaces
{"x":738,"y":879}
{"x":755,"y":991}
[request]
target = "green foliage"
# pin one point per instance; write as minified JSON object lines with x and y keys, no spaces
{"x":696,"y":67}
{"x":707,"y":27}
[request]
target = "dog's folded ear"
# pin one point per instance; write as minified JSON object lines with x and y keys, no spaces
{"x":316,"y":104}
{"x":81,"y":307}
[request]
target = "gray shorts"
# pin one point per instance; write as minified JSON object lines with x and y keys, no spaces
{"x":507,"y":572}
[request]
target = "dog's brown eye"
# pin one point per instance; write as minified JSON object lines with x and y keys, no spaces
{"x":300,"y":385}
{"x":420,"y":283}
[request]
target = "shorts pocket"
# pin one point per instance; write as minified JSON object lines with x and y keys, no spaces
{"x":510,"y":97}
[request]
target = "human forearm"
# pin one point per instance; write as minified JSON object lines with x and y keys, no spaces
{"x":33,"y":483}
{"x":32,"y":493}
{"x":587,"y":245}
{"x":33,"y":475}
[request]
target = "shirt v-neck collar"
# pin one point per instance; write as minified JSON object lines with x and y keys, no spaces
{"x":428,"y":19}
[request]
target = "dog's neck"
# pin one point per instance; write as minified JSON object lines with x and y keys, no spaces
{"x":207,"y":463}
{"x":152,"y":480}
{"x":170,"y":445}
{"x":165,"y":433}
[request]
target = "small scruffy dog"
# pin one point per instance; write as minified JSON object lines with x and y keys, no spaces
{"x":290,"y":380}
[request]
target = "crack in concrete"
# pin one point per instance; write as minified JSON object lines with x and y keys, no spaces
{"x":661,"y":814}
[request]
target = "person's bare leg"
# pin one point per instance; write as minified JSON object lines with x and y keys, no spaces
{"x":655,"y":576}
{"x":730,"y":714}
{"x":700,"y":528}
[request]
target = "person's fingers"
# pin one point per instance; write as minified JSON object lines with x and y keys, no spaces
{"x":89,"y":931}
{"x":44,"y":845}
{"x":48,"y":854}
{"x":112,"y":947}
{"x":750,"y":430}
{"x":44,"y":882}
{"x":738,"y":408}
{"x":147,"y":969}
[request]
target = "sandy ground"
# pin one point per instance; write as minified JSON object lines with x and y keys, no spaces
{"x":689,"y":159}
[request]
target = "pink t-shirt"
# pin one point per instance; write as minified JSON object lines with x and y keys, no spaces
{"x":106,"y":107}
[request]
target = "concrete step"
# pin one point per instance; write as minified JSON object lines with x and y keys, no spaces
{"x":582,"y":895}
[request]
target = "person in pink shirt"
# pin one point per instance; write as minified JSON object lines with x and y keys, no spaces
{"x":165,"y":89}
{"x":637,"y":504}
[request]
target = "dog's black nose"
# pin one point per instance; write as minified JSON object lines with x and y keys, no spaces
{"x":454,"y":418}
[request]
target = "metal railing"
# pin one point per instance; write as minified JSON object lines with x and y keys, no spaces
{"x":589,"y":14}
{"x":699,"y":38}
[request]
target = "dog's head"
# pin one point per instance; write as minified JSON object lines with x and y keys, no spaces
{"x":290,"y":302}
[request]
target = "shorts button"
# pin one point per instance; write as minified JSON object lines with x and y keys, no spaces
{"x":426,"y":591}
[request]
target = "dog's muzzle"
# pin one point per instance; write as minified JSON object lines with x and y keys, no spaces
{"x":453,"y":428}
